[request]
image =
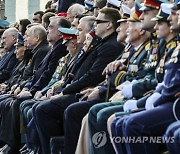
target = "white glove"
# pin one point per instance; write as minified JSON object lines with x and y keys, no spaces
{"x":151,"y":100}
{"x":160,"y":86}
{"x":127,"y":90}
{"x":130,"y":105}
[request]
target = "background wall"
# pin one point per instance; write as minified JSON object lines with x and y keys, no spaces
{"x":19,"y":9}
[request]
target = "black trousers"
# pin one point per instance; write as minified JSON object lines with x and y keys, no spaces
{"x":10,"y":121}
{"x":73,"y":118}
{"x":48,"y":117}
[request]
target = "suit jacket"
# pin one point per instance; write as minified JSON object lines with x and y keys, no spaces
{"x":89,"y":73}
{"x":47,"y":68}
{"x":7,"y":65}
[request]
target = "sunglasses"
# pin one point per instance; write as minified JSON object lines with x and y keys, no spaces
{"x":100,"y":21}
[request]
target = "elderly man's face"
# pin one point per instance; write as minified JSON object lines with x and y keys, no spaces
{"x":30,"y":39}
{"x":8,"y":40}
{"x":133,"y":33}
{"x":53,"y":33}
{"x":82,"y":31}
{"x":121,"y":30}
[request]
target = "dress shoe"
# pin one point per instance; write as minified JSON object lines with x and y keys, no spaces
{"x":9,"y":150}
{"x":23,"y":148}
{"x":3,"y":147}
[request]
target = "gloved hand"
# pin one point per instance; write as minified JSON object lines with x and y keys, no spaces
{"x":127,"y":89}
{"x":151,"y":100}
{"x":159,"y":86}
{"x":130,"y":105}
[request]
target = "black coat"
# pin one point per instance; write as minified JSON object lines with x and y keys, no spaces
{"x":37,"y":55}
{"x":47,"y":67}
{"x":89,"y":73}
{"x":7,"y":64}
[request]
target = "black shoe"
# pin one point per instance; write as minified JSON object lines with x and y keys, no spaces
{"x":5,"y":146}
{"x":9,"y":150}
{"x":25,"y":151}
{"x":23,"y":148}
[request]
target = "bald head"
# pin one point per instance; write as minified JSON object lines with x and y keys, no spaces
{"x":9,"y":38}
{"x":75,"y":10}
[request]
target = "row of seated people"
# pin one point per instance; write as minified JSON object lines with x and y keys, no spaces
{"x":57,"y":95}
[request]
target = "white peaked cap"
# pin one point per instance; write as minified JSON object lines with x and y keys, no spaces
{"x":126,"y":9}
{"x":114,"y":2}
{"x":166,"y":7}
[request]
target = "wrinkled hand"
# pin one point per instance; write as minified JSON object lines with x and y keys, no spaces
{"x":38,"y":95}
{"x":56,"y":96}
{"x":17,"y":91}
{"x":24,"y":93}
{"x":87,"y":91}
{"x":3,"y":87}
{"x":112,"y":67}
{"x":130,"y":105}
{"x":151,"y":100}
{"x":49,"y":93}
{"x":93,"y":94}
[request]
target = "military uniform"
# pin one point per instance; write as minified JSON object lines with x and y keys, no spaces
{"x":99,"y":114}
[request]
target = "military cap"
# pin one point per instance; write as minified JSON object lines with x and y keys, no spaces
{"x":176,"y":5}
{"x":88,"y":4}
{"x":20,"y":40}
{"x":54,"y":4}
{"x":62,"y":14}
{"x":126,"y":11}
{"x":99,"y":4}
{"x":4,"y":23}
{"x":114,"y":3}
{"x":68,"y":34}
{"x":152,"y":4}
{"x":136,"y":14}
{"x":163,"y":13}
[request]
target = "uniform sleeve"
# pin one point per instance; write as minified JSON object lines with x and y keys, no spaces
{"x":170,"y":90}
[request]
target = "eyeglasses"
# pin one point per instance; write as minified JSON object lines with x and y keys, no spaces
{"x":100,"y":21}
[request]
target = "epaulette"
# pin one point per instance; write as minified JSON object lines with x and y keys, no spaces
{"x":172,"y":44}
{"x":116,"y":77}
{"x":147,"y":46}
{"x":174,"y":56}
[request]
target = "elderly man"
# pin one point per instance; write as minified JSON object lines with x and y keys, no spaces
{"x":88,"y":75}
{"x":74,"y":10}
{"x":9,"y":61}
{"x":40,"y":79}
